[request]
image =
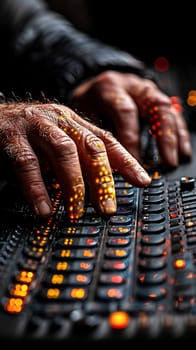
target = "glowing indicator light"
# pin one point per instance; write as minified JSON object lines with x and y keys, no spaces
{"x":191,"y":99}
{"x":156,"y":175}
{"x":161,"y":64}
{"x":14,"y":305}
{"x":119,"y":320}
{"x":62,"y":266}
{"x":78,"y":293}
{"x":179,"y":263}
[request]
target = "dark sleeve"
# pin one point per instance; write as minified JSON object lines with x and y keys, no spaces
{"x":53,"y":56}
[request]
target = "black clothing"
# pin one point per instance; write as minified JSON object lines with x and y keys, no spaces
{"x":46,"y":53}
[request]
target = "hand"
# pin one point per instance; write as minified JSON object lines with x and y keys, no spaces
{"x":76,"y":151}
{"x":124,"y":100}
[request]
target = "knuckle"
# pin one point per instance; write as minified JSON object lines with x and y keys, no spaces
{"x":64,"y":145}
{"x":94,"y":144}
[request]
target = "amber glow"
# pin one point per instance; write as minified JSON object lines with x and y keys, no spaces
{"x":25,"y":276}
{"x":57,"y":279}
{"x":19,"y":290}
{"x":191,"y":99}
{"x":62,"y":266}
{"x":179,"y":263}
{"x":53,"y":293}
{"x":14,"y":305}
{"x":78,"y":293}
{"x":119,"y":320}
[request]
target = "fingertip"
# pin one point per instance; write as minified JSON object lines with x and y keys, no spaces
{"x":43,"y":208}
{"x":144,"y":178}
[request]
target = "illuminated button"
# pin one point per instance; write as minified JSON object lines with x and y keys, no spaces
{"x":71,"y":266}
{"x":38,"y":241}
{"x":112,"y":279}
{"x":152,"y":293}
{"x":79,"y":279}
{"x":119,"y":320}
{"x":77,"y":242}
{"x":14,"y":305}
{"x":62,"y":280}
{"x":72,"y":254}
{"x":110,"y":293}
{"x":119,"y":230}
{"x":114,"y":265}
{"x":80,"y":231}
{"x":120,"y":219}
{"x":152,"y":278}
{"x":118,"y":242}
{"x":66,"y":294}
{"x":117,"y":253}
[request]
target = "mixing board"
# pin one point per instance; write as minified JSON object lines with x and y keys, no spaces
{"x":129,"y":275}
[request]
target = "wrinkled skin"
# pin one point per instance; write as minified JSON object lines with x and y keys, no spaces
{"x":35,"y":135}
{"x":124,"y":100}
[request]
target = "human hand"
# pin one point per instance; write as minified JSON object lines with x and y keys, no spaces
{"x":75,"y":151}
{"x":124,"y":100}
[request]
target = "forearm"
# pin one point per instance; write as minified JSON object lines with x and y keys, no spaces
{"x":47,"y":45}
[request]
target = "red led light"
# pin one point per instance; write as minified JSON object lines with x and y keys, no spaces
{"x":161,"y":64}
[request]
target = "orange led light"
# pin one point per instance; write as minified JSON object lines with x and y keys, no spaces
{"x":179,"y":263}
{"x":119,"y":320}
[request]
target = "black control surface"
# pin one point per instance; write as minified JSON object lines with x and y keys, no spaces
{"x":96,"y":279}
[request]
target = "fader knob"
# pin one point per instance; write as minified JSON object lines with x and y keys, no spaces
{"x":187,"y":183}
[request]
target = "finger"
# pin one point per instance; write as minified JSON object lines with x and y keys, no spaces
{"x":26,"y":167}
{"x":120,"y":159}
{"x":169,"y":129}
{"x":121,"y":110}
{"x":114,"y":106}
{"x":184,"y":137}
{"x":62,"y":151}
{"x":165,"y":121}
{"x":95,"y":164}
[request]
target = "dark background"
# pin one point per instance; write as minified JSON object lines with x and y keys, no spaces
{"x":146,"y":29}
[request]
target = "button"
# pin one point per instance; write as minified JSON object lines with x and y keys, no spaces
{"x":152,"y":278}
{"x":152,"y":293}
{"x":187,"y":183}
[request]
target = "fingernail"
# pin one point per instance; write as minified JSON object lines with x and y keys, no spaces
{"x":144,"y":177}
{"x":188,"y":148}
{"x":109,"y":206}
{"x":173,"y":157}
{"x":43,"y":209}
